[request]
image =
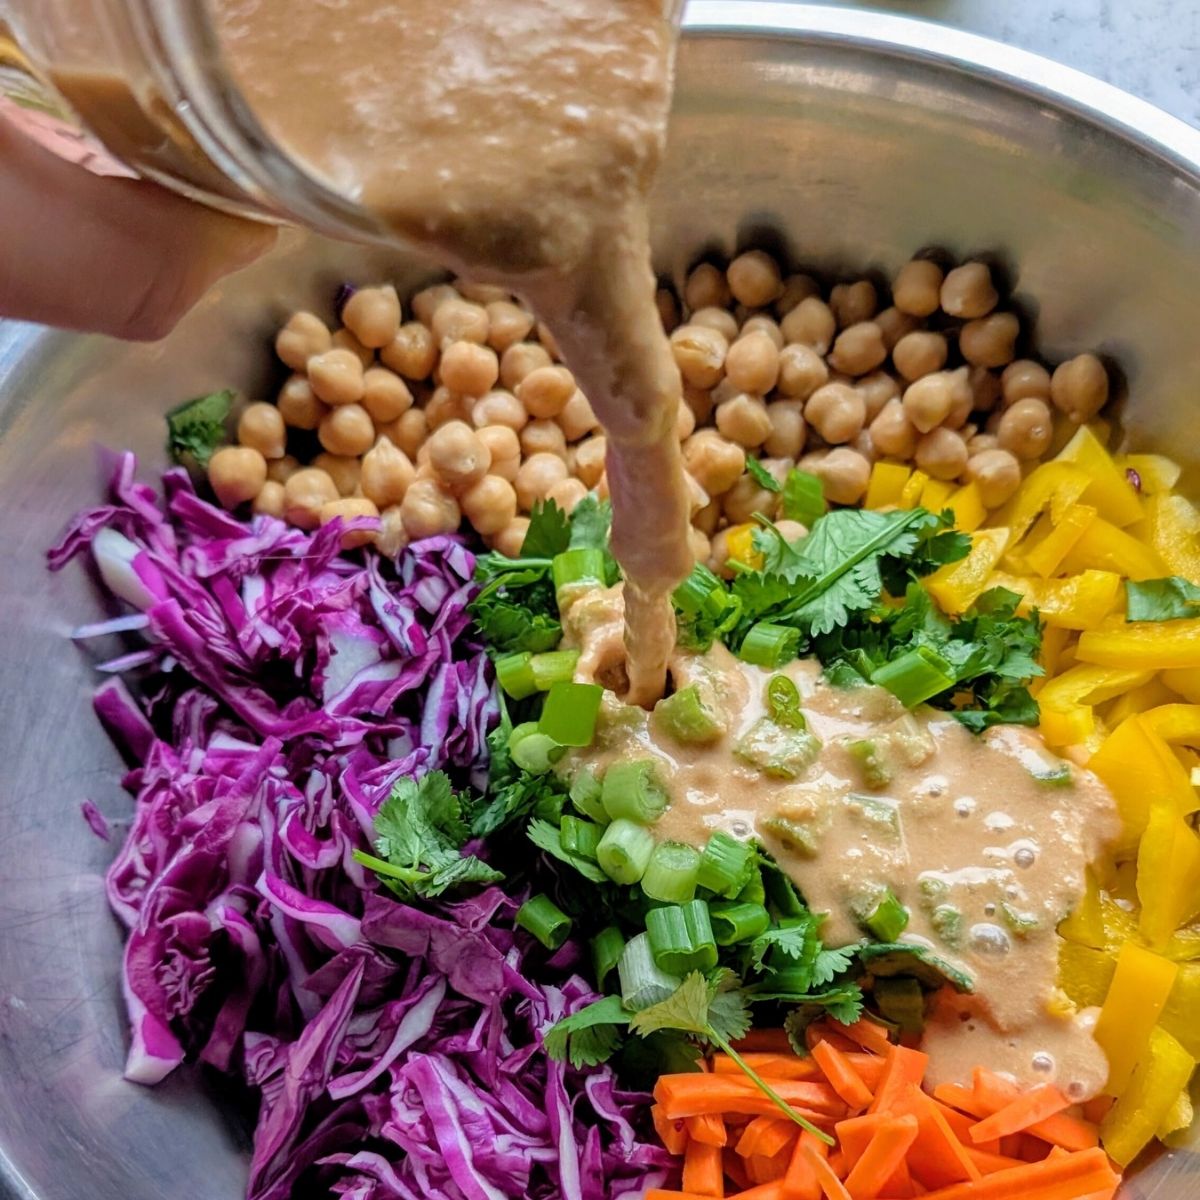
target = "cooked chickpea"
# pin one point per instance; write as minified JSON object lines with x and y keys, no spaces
{"x":917,"y":288}
{"x":347,"y":429}
{"x":700,"y":401}
{"x":744,"y":420}
{"x":345,"y":472}
{"x":1024,"y":379}
{"x":996,"y":473}
{"x":685,"y":422}
{"x":697,"y":496}
{"x":459,"y":321}
{"x":962,"y":398}
{"x":505,"y":449}
{"x":427,"y":301}
{"x":801,"y":371}
{"x":577,"y":419}
{"x":537,"y":475}
{"x":746,"y":498}
{"x":865,"y":445}
{"x":261,"y":428}
{"x":237,"y":474}
{"x":985,"y":389}
{"x":392,"y":536}
{"x":343,"y":339}
{"x":270,"y":500}
{"x":989,"y":341}
{"x":810,"y":323}
{"x":347,"y":509}
{"x":941,"y":454}
{"x":892,"y":433}
{"x":411,"y":352}
{"x":304,"y":336}
{"x":844,"y":473}
{"x":519,"y":360}
{"x":508,"y":324}
{"x":716,"y":463}
{"x":408,"y":431}
{"x":858,"y":349}
{"x":481,"y":293}
{"x":707,"y":519}
{"x":1026,"y":428}
{"x":546,"y":391}
{"x":928,"y":401}
{"x":589,"y":459}
{"x":567,"y":494}
{"x":298,"y":404}
{"x":894,"y":325}
{"x":372,"y":314}
{"x":1079,"y":387}
{"x":706,"y":287}
{"x":795,"y":289}
{"x":788,"y":429}
{"x":385,"y":474}
{"x":720,"y":319}
{"x":336,"y":377}
{"x":790,"y":531}
{"x":499,"y":408}
{"x":385,"y":395}
{"x":754,"y":279}
{"x":853,"y":303}
{"x":280,"y":469}
{"x":967,"y":291}
{"x":304,"y":494}
{"x":920,"y":353}
{"x":700,"y":354}
{"x":457,"y":455}
{"x":718,"y":555}
{"x":668,"y":309}
{"x":511,"y":538}
{"x":543,"y":436}
{"x":700,"y":546}
{"x":752,"y":363}
{"x":428,"y":510}
{"x":837,"y":413}
{"x":468,"y":368}
{"x":448,"y":405}
{"x":490,"y":504}
{"x":761,"y":323}
{"x":876,"y":389}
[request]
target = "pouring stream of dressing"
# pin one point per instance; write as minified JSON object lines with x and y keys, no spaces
{"x":517,"y":141}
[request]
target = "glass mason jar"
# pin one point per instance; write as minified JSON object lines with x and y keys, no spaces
{"x":145,"y":78}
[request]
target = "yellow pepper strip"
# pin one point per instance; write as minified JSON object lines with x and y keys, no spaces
{"x":1172,"y":529}
{"x":1175,"y":722}
{"x":968,"y":508}
{"x":1159,"y":1077}
{"x":1049,"y":481}
{"x":1168,"y":873}
{"x":1045,"y":557}
{"x":1087,"y":684}
{"x":1184,"y":682}
{"x":1157,"y":474}
{"x":1078,"y":602}
{"x":1183,"y":947}
{"x":910,"y":495}
{"x":1109,"y":490}
{"x":935,"y":494}
{"x":956,"y":586}
{"x":886,"y":485}
{"x":1085,"y":924}
{"x":1140,"y":987}
{"x":1068,"y":726}
{"x":1148,"y":695}
{"x":740,"y":541}
{"x":1054,"y":645}
{"x":1106,"y":548}
{"x":1084,"y":973}
{"x":1148,"y":645}
{"x":1179,"y":1015}
{"x":1179,"y":1117}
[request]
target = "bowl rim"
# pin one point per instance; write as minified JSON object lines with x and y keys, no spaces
{"x":1107,"y":108}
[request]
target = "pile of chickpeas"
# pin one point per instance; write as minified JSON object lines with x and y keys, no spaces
{"x":464,"y":410}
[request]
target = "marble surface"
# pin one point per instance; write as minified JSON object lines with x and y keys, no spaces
{"x":1148,"y":47}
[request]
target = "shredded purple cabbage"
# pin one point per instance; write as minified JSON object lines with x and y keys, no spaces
{"x":277,"y":691}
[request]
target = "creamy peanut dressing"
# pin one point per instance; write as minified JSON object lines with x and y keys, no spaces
{"x":987,"y":857}
{"x":516,"y":141}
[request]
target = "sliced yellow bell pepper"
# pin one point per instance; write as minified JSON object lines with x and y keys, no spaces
{"x":1057,"y":481}
{"x":1157,"y":474}
{"x":1068,"y":726}
{"x":1055,"y":541}
{"x":1161,"y":1074}
{"x":957,"y":586}
{"x":740,"y":540}
{"x":910,"y":495}
{"x":1109,"y":490}
{"x":886,"y":484}
{"x":968,"y":508}
{"x":1168,"y":873}
{"x":1179,"y":1015}
{"x":1088,"y":684}
{"x":1085,"y":924}
{"x":1175,"y":722}
{"x":1150,"y":694}
{"x":935,"y":494}
{"x":1179,"y":1117}
{"x":1185,"y":682}
{"x":1106,"y":548}
{"x":1078,"y":602}
{"x":1140,"y":987}
{"x":1054,"y":644}
{"x":1145,"y":645}
{"x":1084,"y":973}
{"x":1172,"y":529}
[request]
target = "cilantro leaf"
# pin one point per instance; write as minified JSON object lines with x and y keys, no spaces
{"x":591,"y":521}
{"x":728,"y":1012}
{"x":803,"y":497}
{"x":515,"y":608}
{"x":761,"y":475}
{"x":794,"y":938}
{"x":590,"y":1036}
{"x":546,"y":837}
{"x":685,"y":1010}
{"x":829,"y":964}
{"x":197,"y":427}
{"x":549,"y":531}
{"x":1171,"y":599}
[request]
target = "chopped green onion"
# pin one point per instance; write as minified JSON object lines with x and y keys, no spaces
{"x":902,"y":1002}
{"x":888,"y":918}
{"x":842,"y":675}
{"x":514,"y":673}
{"x":582,"y":565}
{"x":803,"y":497}
{"x":769,"y":645}
{"x":783,"y":703}
{"x":681,"y":937}
{"x":580,"y":837}
{"x":915,"y":676}
{"x":532,"y":750}
{"x":569,"y":716}
{"x":1021,"y":923}
{"x":797,"y":836}
{"x":777,"y":751}
{"x":625,"y":850}
{"x":947,"y":922}
{"x":632,"y":790}
{"x":725,"y":865}
{"x":545,"y":920}
{"x":607,"y":947}
{"x":755,"y":891}
{"x":585,"y":795}
{"x":876,"y":771}
{"x":738,"y":922}
{"x":670,"y":875}
{"x":701,"y":594}
{"x":643,"y":982}
{"x":555,"y":666}
{"x":685,"y":718}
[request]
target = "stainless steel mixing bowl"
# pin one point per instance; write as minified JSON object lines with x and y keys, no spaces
{"x":851,"y":140}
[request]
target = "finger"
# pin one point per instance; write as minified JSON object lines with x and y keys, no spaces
{"x":112,"y":256}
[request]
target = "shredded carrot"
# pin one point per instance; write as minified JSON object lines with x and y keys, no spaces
{"x":901,"y":1067}
{"x":883,"y":1156}
{"x":841,"y":1075}
{"x":866,"y":1034}
{"x":831,"y":1185}
{"x":1062,"y":1129}
{"x":1068,"y":1178}
{"x":672,"y":1134}
{"x":801,"y":1182}
{"x":693,"y":1095}
{"x":938,"y":1157}
{"x":703,"y":1171}
{"x":708,"y":1128}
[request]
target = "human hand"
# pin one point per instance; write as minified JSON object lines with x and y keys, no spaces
{"x":107,"y":255}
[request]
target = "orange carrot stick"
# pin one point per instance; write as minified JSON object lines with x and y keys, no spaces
{"x":937,"y":1158}
{"x":703,"y":1171}
{"x":764,"y":1191}
{"x":1062,"y":1129}
{"x":708,"y":1128}
{"x":766,"y":1041}
{"x":901,"y":1067}
{"x":801,"y":1182}
{"x":735,"y":1169}
{"x":1069,"y":1178}
{"x":841,"y":1075}
{"x":664,"y":1194}
{"x":831,"y":1185}
{"x":769,"y":1066}
{"x":692,"y":1095}
{"x":883,"y":1155}
{"x":766,"y":1136}
{"x":672,"y":1134}
{"x":822,"y":1031}
{"x":866,"y":1034}
{"x":988,"y":1163}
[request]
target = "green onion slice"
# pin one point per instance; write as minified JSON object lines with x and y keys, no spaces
{"x":570,"y":712}
{"x":769,"y":645}
{"x":670,"y":875}
{"x":624,"y":851}
{"x":547,"y":922}
{"x":631,"y":790}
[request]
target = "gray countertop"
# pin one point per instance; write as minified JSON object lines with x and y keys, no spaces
{"x":1148,"y":47}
